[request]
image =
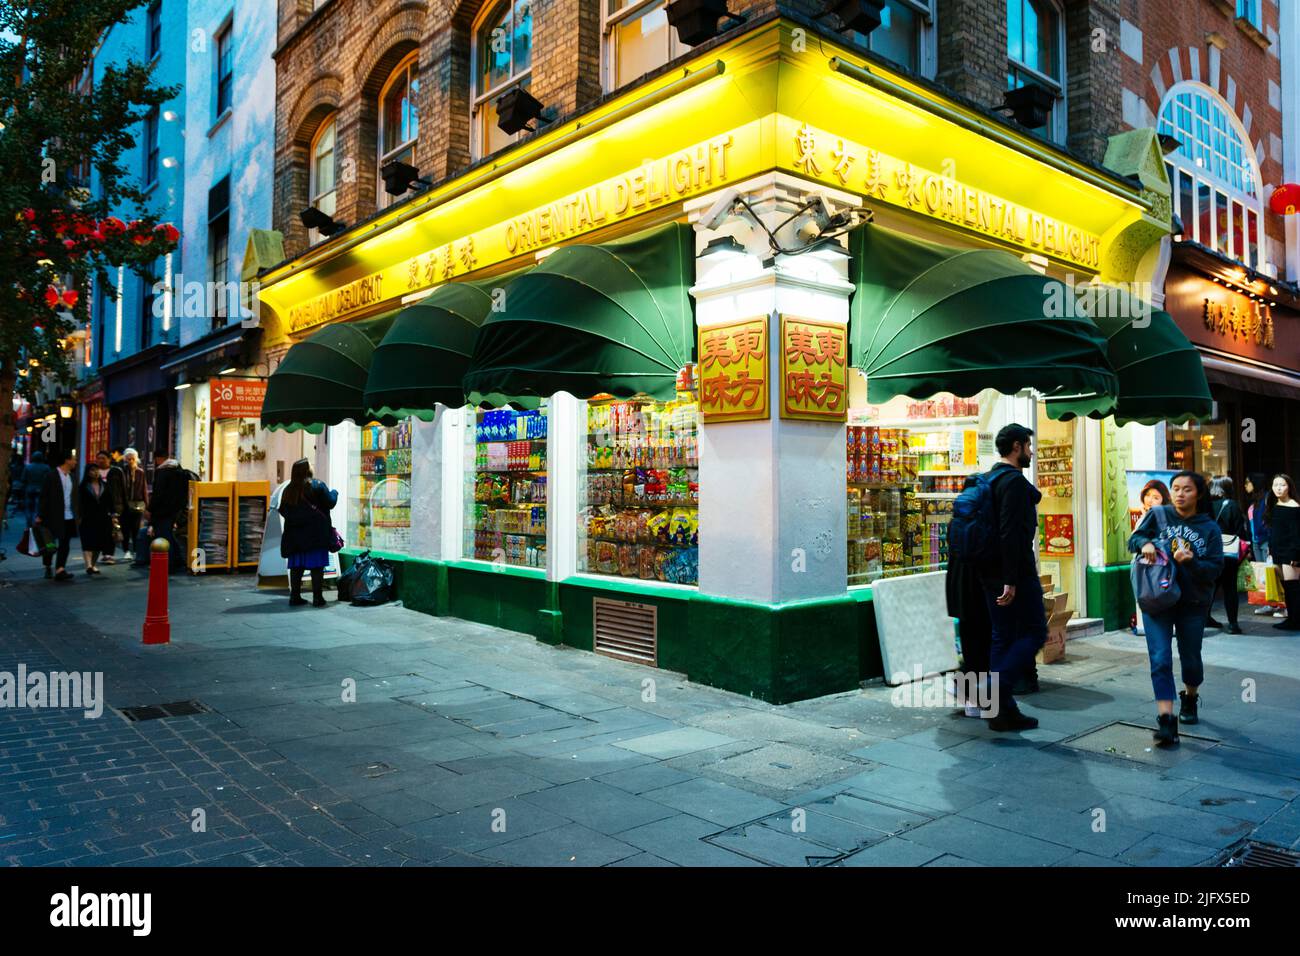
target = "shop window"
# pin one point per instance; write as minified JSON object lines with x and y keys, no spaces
{"x":321,"y":188}
{"x":1217,"y":161}
{"x":379,"y":512}
{"x":905,"y":35}
{"x":1200,"y":447}
{"x":399,"y":120}
{"x":503,"y":59}
{"x":640,"y":476}
{"x":505,"y":519}
{"x":1055,"y":470}
{"x":906,"y":462}
{"x":1036,"y":53}
{"x":638,"y":40}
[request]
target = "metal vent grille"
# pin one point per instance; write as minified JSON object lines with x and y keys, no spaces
{"x":1254,"y":854}
{"x":625,"y":630}
{"x":180,"y":708}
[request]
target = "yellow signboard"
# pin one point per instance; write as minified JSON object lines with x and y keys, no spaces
{"x":733,"y":371}
{"x":814,"y":370}
{"x":337,"y":303}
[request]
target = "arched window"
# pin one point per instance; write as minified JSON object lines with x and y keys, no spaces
{"x":322,"y":189}
{"x":399,"y":119}
{"x":1213,"y":174}
{"x":503,"y":59}
{"x":1036,"y":54}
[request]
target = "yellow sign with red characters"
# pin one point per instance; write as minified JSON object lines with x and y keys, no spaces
{"x":814,"y":370}
{"x":733,"y":371}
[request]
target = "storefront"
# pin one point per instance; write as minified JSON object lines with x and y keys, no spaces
{"x":596,"y":409}
{"x":141,"y":404}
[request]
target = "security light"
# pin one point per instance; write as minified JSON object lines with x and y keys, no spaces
{"x":697,"y":20}
{"x":1029,"y":104}
{"x":313,"y":218}
{"x":398,"y":177}
{"x":858,"y":16}
{"x":516,"y":108}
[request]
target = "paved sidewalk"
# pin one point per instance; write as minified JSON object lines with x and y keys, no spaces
{"x":468,"y":745}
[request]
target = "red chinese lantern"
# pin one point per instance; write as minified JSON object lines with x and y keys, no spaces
{"x":169,"y":233}
{"x":70,"y":297}
{"x":112,"y":226}
{"x":1285,"y":200}
{"x":51,"y":297}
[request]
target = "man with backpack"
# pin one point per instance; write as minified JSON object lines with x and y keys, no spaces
{"x":994,"y":527}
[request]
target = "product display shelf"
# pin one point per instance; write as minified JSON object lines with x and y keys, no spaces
{"x":923,"y":424}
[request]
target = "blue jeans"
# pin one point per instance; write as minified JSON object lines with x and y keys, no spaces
{"x":1019,"y":630}
{"x":1186,"y":624}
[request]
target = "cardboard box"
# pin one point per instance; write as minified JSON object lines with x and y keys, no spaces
{"x":1058,"y":615}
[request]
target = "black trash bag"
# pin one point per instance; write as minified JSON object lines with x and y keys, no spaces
{"x":374,"y":583}
{"x":348,"y":579}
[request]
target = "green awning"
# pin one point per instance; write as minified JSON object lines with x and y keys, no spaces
{"x":614,"y":317}
{"x":929,"y":318}
{"x":322,"y":380}
{"x":1161,"y":377}
{"x":423,"y":358}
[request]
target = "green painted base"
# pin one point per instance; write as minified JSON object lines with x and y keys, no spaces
{"x":777,"y":653}
{"x":1110,"y":595}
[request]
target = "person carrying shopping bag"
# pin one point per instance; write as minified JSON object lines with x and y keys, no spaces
{"x":1186,"y":534}
{"x":1282,"y":516}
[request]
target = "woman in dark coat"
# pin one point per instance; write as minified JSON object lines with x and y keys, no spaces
{"x":96,"y":513}
{"x":308,"y":535}
{"x":1232,"y":521}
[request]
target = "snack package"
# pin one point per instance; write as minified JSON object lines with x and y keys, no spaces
{"x":645,"y":562}
{"x":627,"y":560}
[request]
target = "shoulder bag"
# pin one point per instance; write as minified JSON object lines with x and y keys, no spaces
{"x":1155,"y":585}
{"x":336,"y":543}
{"x":1232,"y":544}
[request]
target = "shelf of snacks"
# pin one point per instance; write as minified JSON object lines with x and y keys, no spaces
{"x":507,"y":490}
{"x":639,"y":512}
{"x":1056,"y":469}
{"x":380,"y":490}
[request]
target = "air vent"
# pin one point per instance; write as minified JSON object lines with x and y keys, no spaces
{"x":1255,"y":854}
{"x":180,"y":708}
{"x":626,"y":630}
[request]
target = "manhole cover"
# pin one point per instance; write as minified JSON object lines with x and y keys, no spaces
{"x":180,"y":708}
{"x":1133,"y":742}
{"x":1252,"y":853}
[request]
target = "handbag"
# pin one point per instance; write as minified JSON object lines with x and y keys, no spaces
{"x":1232,"y":544}
{"x":28,"y":544}
{"x":336,"y":543}
{"x":1155,"y":585}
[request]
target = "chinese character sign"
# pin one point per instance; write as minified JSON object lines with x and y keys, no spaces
{"x":814,"y":370}
{"x":733,"y":371}
{"x":237,"y":398}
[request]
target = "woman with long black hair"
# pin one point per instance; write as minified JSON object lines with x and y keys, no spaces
{"x":308,"y":535}
{"x":1254,"y":500}
{"x":1282,"y":516}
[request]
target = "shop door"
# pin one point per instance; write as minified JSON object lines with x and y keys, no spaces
{"x":225,"y":449}
{"x":1058,"y":464}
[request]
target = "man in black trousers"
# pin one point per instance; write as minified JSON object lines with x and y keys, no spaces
{"x":1012,"y":590}
{"x":56,"y":511}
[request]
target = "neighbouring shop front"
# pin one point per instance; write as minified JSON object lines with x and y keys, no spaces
{"x":574,"y":411}
{"x":140,"y":403}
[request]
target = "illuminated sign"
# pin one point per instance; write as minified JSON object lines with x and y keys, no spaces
{"x":814,"y":370}
{"x":337,"y":303}
{"x":237,"y":398}
{"x":733,"y":371}
{"x":1249,"y":323}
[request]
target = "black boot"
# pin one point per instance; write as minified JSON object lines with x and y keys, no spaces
{"x":317,"y":580}
{"x":1012,"y":720}
{"x":295,"y":587}
{"x":1166,"y":733}
{"x":1292,"y":591}
{"x":1187,"y":704}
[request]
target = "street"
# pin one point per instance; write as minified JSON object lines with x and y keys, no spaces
{"x":469,"y":745}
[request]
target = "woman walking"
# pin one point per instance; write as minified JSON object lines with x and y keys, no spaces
{"x":136,"y":494}
{"x":96,"y":525}
{"x":1154,"y":494}
{"x":1256,"y":488}
{"x":1232,"y":525}
{"x":308,"y":534}
{"x":1282,"y":516}
{"x":1188,"y":535}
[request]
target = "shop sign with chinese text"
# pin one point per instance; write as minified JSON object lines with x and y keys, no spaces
{"x":733,"y":379}
{"x":237,"y":398}
{"x":814,"y":370}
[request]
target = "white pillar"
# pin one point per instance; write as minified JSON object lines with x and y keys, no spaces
{"x":564,"y":432}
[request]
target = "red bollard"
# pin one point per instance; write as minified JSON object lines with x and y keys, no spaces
{"x":157,"y":627}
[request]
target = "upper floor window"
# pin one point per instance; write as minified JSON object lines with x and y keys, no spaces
{"x":638,"y":40}
{"x":1213,"y":174}
{"x":225,"y":70}
{"x":905,"y":35}
{"x":219,"y":247}
{"x":1251,"y":11}
{"x":153,"y":29}
{"x":1036,"y":54}
{"x":503,"y":59}
{"x":321,"y":187}
{"x":399,"y":120}
{"x":151,"y":147}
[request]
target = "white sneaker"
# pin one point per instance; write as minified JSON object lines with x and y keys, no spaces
{"x":1280,"y":615}
{"x":1264,"y":610}
{"x":974,"y":710}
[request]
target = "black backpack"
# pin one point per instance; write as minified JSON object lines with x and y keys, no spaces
{"x":973,"y":530}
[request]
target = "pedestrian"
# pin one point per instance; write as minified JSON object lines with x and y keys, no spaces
{"x":34,"y":476}
{"x":1282,"y":515}
{"x":965,"y":594}
{"x":167,"y":500}
{"x":95,"y":520}
{"x":115,"y":484}
{"x":1256,"y":497}
{"x":1154,"y":493}
{"x":1232,"y":526}
{"x":1188,"y":534}
{"x":1013,"y":593}
{"x":308,"y":535}
{"x":56,"y":511}
{"x":136,"y":500}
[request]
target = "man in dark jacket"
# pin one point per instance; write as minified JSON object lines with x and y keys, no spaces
{"x":115,"y":488}
{"x":168,"y":499}
{"x":57,"y":512}
{"x":1012,"y":590}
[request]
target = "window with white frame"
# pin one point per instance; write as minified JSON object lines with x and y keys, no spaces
{"x":1252,"y":12}
{"x":1213,"y":174}
{"x":399,"y":120}
{"x":503,"y":60}
{"x":322,"y":188}
{"x":905,"y":35}
{"x":637,"y":40}
{"x":1036,"y":54}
